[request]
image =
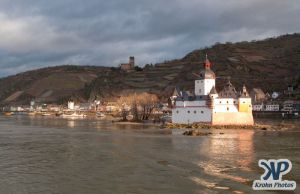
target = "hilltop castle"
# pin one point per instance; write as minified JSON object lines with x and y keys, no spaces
{"x":128,"y":66}
{"x":206,"y":105}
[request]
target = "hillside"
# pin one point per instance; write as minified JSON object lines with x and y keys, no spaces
{"x":53,"y":84}
{"x":270,"y":64}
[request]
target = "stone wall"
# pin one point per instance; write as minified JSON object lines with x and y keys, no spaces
{"x":234,"y":118}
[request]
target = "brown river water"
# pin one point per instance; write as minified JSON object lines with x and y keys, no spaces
{"x":53,"y":155}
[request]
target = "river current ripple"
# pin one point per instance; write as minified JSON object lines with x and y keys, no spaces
{"x":52,"y":155}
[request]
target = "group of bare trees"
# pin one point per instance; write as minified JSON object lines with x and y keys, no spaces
{"x":140,"y":105}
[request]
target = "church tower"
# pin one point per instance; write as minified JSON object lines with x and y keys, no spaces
{"x":206,"y":81}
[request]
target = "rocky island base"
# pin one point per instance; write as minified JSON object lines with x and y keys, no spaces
{"x":198,"y":129}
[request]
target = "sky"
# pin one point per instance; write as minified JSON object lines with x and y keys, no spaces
{"x":42,"y":33}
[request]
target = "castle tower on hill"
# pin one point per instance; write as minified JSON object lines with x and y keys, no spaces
{"x":206,"y":105}
{"x":128,"y":66}
{"x":131,"y":61}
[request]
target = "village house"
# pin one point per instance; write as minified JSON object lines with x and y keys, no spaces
{"x":111,"y":107}
{"x":272,"y":107}
{"x":53,"y":107}
{"x":16,"y":109}
{"x":71,"y":105}
{"x":258,"y":107}
{"x":85,"y":106}
{"x":296,"y":106}
{"x":257,"y":95}
{"x":291,"y":105}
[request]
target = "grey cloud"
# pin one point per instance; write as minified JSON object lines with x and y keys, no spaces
{"x":38,"y":33}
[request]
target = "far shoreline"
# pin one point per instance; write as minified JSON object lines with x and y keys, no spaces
{"x":265,"y":124}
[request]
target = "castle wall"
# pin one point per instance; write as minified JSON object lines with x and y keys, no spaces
{"x":189,"y":115}
{"x":225,"y":105}
{"x":232,"y":118}
{"x":125,"y":66}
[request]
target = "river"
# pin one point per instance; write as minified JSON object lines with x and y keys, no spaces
{"x":53,"y":155}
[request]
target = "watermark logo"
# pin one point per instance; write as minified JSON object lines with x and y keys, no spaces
{"x":272,"y":177}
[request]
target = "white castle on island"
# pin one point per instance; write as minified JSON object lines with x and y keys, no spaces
{"x":206,"y":105}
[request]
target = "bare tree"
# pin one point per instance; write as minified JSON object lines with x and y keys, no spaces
{"x":147,"y":102}
{"x":123,"y":103}
{"x":134,"y":106}
{"x":141,"y":105}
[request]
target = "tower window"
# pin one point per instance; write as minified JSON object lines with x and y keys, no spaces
{"x":189,"y":111}
{"x":227,"y":108}
{"x":177,"y":112}
{"x":195,"y":112}
{"x":202,"y":112}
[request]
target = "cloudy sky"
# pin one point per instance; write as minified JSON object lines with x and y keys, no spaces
{"x":40,"y":33}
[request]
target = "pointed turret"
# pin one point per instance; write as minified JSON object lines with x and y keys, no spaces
{"x":245,"y":93}
{"x":213,"y":90}
{"x":176,"y":92}
{"x":213,"y":93}
{"x":207,"y":73}
{"x":207,"y":64}
{"x":245,"y":104}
